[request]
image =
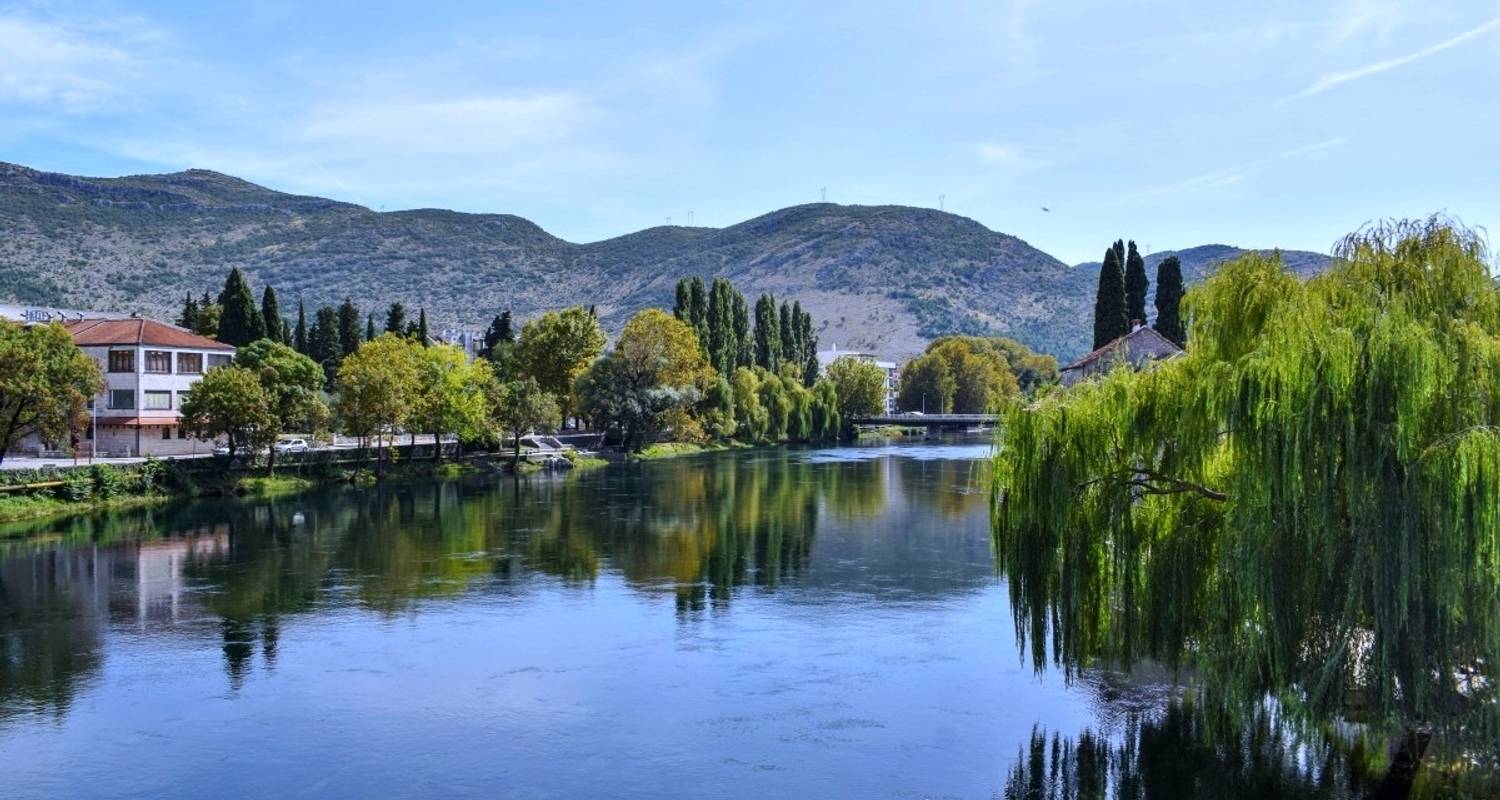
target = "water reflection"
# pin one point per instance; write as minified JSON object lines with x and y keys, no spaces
{"x":702,"y":535}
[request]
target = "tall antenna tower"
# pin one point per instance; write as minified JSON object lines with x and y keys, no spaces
{"x":669,"y":220}
{"x":690,"y":219}
{"x":942,"y":202}
{"x":823,"y":194}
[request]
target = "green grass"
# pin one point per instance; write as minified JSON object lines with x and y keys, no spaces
{"x":18,"y":507}
{"x":888,"y":432}
{"x":272,"y":485}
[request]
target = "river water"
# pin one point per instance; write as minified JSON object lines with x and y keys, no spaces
{"x":792,"y":623}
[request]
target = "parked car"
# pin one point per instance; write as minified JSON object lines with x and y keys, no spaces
{"x":221,"y":450}
{"x":292,"y":446}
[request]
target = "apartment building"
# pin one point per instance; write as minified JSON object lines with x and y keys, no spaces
{"x":149,"y":369}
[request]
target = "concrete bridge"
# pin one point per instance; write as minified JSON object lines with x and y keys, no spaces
{"x":930,"y":421}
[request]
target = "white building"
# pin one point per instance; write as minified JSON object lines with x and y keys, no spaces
{"x":892,"y":371}
{"x":149,"y":369}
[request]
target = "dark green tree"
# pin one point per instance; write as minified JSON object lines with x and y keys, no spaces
{"x":809,"y":348}
{"x":699,"y":316}
{"x":682,"y":305}
{"x":767,"y":334}
{"x":239,"y":321}
{"x":348,"y":327}
{"x":369,"y":327}
{"x":1169,"y":301}
{"x":299,"y":336}
{"x":270,"y":315}
{"x":395,"y":319}
{"x":787,"y":332}
{"x":189,"y":317}
{"x":323,"y":344}
{"x":422,"y":325}
{"x":1136,"y":286}
{"x":719,"y":327}
{"x":1110,"y":322}
{"x":740,"y":312}
{"x":507,"y":328}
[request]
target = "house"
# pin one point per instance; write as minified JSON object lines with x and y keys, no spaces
{"x":1140,"y":348}
{"x":149,"y":369}
{"x":892,"y":371}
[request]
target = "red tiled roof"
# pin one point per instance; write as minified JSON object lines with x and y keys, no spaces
{"x":87,"y":332}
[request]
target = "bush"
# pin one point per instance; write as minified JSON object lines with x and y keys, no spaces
{"x":77,"y":486}
{"x":108,"y":481}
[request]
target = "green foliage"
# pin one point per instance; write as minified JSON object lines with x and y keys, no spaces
{"x":395,"y":319}
{"x":323,"y":345}
{"x":520,"y":407}
{"x":1169,"y":301}
{"x":648,"y":383}
{"x":752,"y":420}
{"x":230,"y":401}
{"x":1306,"y":504}
{"x":378,"y":386}
{"x":451,"y":394}
{"x":239,"y":322}
{"x":45,"y":384}
{"x":348,"y":327}
{"x":293,"y":384}
{"x":1110,"y":320}
{"x":767,"y":334}
{"x":926,"y":385}
{"x":556,"y":348}
{"x":827,"y":424}
{"x":860,"y":386}
{"x":270,"y":316}
{"x":299,"y":336}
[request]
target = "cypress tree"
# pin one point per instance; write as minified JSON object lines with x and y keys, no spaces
{"x":239,"y":322}
{"x":809,"y":349}
{"x":422,"y":324}
{"x":348,"y":327}
{"x":369,"y":327}
{"x":744,"y":351}
{"x":323,"y":341}
{"x":270,"y":315}
{"x":1109,"y":304}
{"x":507,"y":328}
{"x":299,"y":337}
{"x":1169,"y":301}
{"x":395,"y":319}
{"x":1136,"y":286}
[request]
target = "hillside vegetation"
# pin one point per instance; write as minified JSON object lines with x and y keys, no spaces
{"x":887,"y":278}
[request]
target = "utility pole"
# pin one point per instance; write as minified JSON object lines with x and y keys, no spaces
{"x":942,"y":202}
{"x":823,"y":194}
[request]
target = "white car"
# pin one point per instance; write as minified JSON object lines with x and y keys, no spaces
{"x":221,"y":450}
{"x":292,"y":446}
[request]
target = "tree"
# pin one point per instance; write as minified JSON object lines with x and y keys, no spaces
{"x":701,"y":315}
{"x":323,"y":344}
{"x":229,"y":401}
{"x":293,"y":384}
{"x":45,"y":384}
{"x":926,"y":385}
{"x":299,"y":337}
{"x":369,"y":327}
{"x":752,"y":420}
{"x":1110,"y":322}
{"x":860,"y":386}
{"x":348,"y":323}
{"x":826,"y":422}
{"x":1304,"y":505}
{"x":452,"y":395}
{"x":422,"y":337}
{"x":1169,"y":301}
{"x":767,"y":334}
{"x":270,"y":315}
{"x":721,"y":340}
{"x":189,"y":317}
{"x":522,"y":406}
{"x":239,"y":322}
{"x":395,"y":319}
{"x":377,"y":386}
{"x":650,"y":379}
{"x":682,"y":304}
{"x":981,"y":376}
{"x":1032,"y":370}
{"x":556,"y":348}
{"x":499,"y":332}
{"x":744,"y":354}
{"x":1136,"y":286}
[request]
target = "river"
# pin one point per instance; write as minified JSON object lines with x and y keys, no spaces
{"x":761,"y":623}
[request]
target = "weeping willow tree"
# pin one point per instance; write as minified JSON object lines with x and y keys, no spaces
{"x":1305,"y":506}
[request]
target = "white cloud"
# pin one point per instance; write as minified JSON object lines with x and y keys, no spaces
{"x":1331,"y":80}
{"x":1000,"y":154}
{"x":48,"y":64}
{"x":1359,"y":17}
{"x":1240,"y":172}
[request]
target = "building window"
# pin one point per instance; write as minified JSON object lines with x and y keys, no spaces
{"x":166,"y":432}
{"x":181,"y":432}
{"x":158,"y":361}
{"x":122,"y":398}
{"x":217,"y":360}
{"x":158,"y":401}
{"x":189,"y":363}
{"x":122,"y":361}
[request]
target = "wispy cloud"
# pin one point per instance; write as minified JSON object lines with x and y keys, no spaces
{"x":1000,"y":154}
{"x":1331,"y":80}
{"x":67,"y":67}
{"x":1240,"y":172}
{"x":1357,"y":17}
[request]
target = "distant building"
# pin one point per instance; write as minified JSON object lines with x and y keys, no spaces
{"x":1140,"y":348}
{"x":469,"y":341}
{"x":892,"y":371}
{"x":149,"y":369}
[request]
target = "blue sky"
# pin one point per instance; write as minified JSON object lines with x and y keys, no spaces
{"x":1173,"y":123}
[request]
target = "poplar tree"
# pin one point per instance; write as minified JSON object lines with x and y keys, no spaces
{"x":700,"y":316}
{"x":786,"y":331}
{"x":682,"y":304}
{"x":767,"y":334}
{"x":1136,"y":286}
{"x":720,"y":329}
{"x":745,"y":349}
{"x":1169,"y":301}
{"x":239,"y":322}
{"x":1110,"y":322}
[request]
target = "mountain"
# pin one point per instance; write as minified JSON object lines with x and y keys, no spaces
{"x":884,"y":278}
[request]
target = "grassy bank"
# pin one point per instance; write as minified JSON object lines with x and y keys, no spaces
{"x":20,"y":507}
{"x":662,"y":450}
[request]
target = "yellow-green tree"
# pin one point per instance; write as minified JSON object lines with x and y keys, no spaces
{"x":452,"y":395}
{"x":981,"y":376}
{"x":556,"y":348}
{"x":860,"y":386}
{"x":293,"y":384}
{"x":377,"y":386}
{"x":45,"y":383}
{"x":230,"y":401}
{"x":1305,"y":505}
{"x":649,"y":382}
{"x":926,"y":385}
{"x":520,"y":407}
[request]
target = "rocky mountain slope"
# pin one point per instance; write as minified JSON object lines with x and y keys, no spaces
{"x":886,"y":278}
